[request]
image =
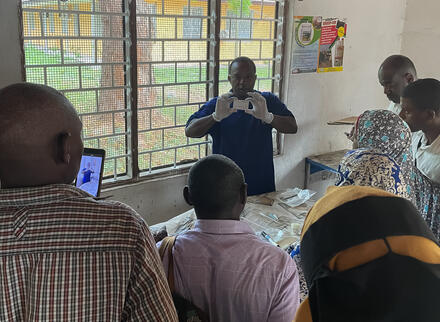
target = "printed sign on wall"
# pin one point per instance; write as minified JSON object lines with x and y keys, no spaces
{"x":331,"y":45}
{"x":318,"y":45}
{"x":306,"y":44}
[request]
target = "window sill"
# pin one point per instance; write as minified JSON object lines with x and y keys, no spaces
{"x":145,"y":177}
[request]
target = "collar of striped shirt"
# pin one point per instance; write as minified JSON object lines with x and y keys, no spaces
{"x":37,"y":195}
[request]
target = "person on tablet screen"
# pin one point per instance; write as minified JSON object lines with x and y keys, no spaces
{"x":240,"y":123}
{"x":87,"y":173}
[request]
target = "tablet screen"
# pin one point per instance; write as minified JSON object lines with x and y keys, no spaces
{"x":89,"y":176}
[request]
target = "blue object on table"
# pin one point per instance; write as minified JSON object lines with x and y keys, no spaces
{"x":316,"y":167}
{"x":295,"y":251}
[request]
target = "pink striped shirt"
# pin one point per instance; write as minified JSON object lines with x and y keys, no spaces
{"x":67,"y":257}
{"x":222,"y":267}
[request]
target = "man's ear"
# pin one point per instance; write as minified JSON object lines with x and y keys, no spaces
{"x":431,"y":114}
{"x":409,"y":78}
{"x":229,"y":78}
{"x":243,"y":193}
{"x":63,"y":152}
{"x":187,"y":196}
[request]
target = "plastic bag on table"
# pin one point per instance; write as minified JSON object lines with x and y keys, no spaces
{"x":295,"y":197}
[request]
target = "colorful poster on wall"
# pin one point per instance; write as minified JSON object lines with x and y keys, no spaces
{"x":305,"y":46}
{"x":331,"y":45}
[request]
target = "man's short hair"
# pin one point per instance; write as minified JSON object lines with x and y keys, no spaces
{"x":243,"y":59}
{"x":214,"y":184}
{"x":424,"y":94}
{"x":400,"y":63}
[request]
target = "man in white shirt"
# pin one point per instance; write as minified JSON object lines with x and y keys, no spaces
{"x":421,"y":111}
{"x":395,"y":73}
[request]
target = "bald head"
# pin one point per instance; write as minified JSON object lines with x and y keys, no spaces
{"x":395,"y":73}
{"x":40,"y":140}
{"x":216,"y":188}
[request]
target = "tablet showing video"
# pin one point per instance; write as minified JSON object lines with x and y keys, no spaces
{"x":89,"y":176}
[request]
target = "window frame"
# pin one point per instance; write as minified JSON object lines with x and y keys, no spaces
{"x":133,"y":174}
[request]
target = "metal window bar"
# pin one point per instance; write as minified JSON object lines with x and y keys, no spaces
{"x":207,"y":76}
{"x":169,"y":88}
{"x":272,"y":62}
{"x":70,"y":61}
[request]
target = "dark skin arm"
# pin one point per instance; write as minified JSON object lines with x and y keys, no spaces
{"x":199,"y":127}
{"x":284,"y":124}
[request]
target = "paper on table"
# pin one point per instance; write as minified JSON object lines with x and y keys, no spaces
{"x":280,"y":221}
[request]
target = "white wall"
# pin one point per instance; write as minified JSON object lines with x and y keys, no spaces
{"x":374,"y":31}
{"x":421,"y":36}
{"x":156,"y":200}
{"x":10,"y":56}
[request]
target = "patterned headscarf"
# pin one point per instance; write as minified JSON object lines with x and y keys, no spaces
{"x":385,"y":131}
{"x":361,"y":249}
{"x":374,"y":169}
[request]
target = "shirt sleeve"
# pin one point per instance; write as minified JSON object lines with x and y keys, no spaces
{"x":286,"y":302}
{"x":148,"y":296}
{"x":275,"y":106}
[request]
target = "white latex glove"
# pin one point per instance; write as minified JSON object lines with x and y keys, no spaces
{"x":222,"y":107}
{"x":260,"y":107}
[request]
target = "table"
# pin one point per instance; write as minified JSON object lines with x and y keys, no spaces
{"x":323,"y":162}
{"x":279,"y":214}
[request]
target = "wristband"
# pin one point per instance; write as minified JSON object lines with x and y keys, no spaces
{"x":215,"y":117}
{"x":268,"y":118}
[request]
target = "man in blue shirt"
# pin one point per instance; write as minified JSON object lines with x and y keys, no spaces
{"x":245,"y":136}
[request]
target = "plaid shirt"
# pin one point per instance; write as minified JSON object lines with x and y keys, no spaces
{"x":67,"y":257}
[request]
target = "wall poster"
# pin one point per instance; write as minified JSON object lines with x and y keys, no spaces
{"x":318,"y":44}
{"x":306,"y":44}
{"x":331,"y":45}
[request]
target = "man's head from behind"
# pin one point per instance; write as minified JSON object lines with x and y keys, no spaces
{"x":421,"y":104}
{"x":216,"y":188}
{"x":242,"y":74}
{"x":40,"y":137}
{"x":395,"y":73}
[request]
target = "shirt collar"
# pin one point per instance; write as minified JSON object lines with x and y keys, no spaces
{"x":433,"y":147}
{"x":37,"y":195}
{"x":221,"y":227}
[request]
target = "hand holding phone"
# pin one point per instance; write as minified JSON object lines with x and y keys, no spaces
{"x":222,"y":107}
{"x":260,"y":110}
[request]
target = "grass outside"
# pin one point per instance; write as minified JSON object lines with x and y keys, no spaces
{"x":88,"y":101}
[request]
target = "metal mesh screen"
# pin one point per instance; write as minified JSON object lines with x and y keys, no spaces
{"x":82,"y":48}
{"x":248,"y":28}
{"x":172,"y":39}
{"x":79,"y":47}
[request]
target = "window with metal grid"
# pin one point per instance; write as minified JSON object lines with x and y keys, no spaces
{"x":80,"y":48}
{"x":173,"y":80}
{"x":253,"y":29}
{"x":136,"y":70}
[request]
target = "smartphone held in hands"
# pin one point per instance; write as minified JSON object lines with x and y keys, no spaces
{"x":240,"y":104}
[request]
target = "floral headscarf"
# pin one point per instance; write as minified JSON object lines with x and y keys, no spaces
{"x":385,"y":131}
{"x":374,"y":169}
